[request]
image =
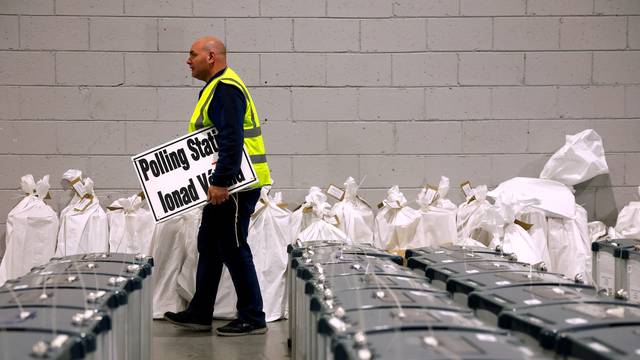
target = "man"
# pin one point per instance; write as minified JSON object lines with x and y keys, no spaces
{"x":225,"y":104}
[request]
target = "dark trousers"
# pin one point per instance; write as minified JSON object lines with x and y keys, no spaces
{"x":217,"y":245}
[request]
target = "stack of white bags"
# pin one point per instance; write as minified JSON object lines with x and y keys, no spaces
{"x":537,"y":219}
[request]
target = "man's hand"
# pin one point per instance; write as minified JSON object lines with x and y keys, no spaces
{"x":217,"y":195}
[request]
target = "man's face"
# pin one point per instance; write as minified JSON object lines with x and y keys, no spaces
{"x":199,"y":61}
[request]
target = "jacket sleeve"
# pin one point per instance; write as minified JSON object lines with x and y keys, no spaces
{"x":227,"y":113}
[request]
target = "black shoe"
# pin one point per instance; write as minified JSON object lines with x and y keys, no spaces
{"x":239,"y":327}
{"x":187,"y":320}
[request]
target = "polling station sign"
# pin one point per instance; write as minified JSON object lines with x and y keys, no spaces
{"x":175,"y":176}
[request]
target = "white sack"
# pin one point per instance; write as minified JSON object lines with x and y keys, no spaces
{"x":187,"y":275}
{"x":131,"y":226}
{"x":323,"y":230}
{"x":315,"y":204}
{"x":538,"y":230}
{"x":168,"y":248}
{"x":437,"y":223}
{"x":355,"y":217}
{"x":554,"y":198}
{"x":32,"y":228}
{"x":478,"y":221}
{"x":516,"y":239}
{"x":83,"y":224}
{"x":268,"y":239}
{"x":580,"y":159}
{"x":396,"y":223}
{"x":628,"y":223}
{"x":569,"y":245}
{"x":597,"y":230}
{"x":442,"y":201}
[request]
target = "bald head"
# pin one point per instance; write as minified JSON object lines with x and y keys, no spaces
{"x":207,"y":56}
{"x":212,"y":43}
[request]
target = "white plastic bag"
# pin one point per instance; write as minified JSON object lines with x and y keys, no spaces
{"x":323,"y":229}
{"x":131,"y":226}
{"x":83,"y":224}
{"x":169,"y":251}
{"x":516,"y":239}
{"x":355,"y":217}
{"x":437,"y":223}
{"x":628,"y":223}
{"x":580,"y":159}
{"x":396,"y":222}
{"x":477,"y":220}
{"x":311,"y":210}
{"x":554,"y":198}
{"x":32,"y":228}
{"x":569,"y":245}
{"x":267,"y":237}
{"x":538,"y":231}
{"x":187,"y":275}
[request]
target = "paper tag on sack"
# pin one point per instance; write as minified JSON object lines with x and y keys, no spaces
{"x":335,"y":192}
{"x":431,"y":194}
{"x":469,"y":194}
{"x":78,"y":187}
{"x":523,"y":224}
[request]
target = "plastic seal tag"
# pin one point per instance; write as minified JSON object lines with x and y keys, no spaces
{"x":335,"y":192}
{"x":59,"y":341}
{"x":598,"y":347}
{"x":486,"y":337}
{"x":576,"y":321}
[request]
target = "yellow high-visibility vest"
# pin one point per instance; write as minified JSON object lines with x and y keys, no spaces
{"x":251,"y":123}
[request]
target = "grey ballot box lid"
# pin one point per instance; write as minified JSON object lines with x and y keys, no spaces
{"x":433,"y":344}
{"x":18,"y":345}
{"x":620,"y":342}
{"x":549,"y":323}
{"x":519,"y":297}
{"x":83,"y":325}
{"x":376,"y":319}
{"x":491,"y":280}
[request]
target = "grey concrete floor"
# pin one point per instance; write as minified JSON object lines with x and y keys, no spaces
{"x":171,"y":343}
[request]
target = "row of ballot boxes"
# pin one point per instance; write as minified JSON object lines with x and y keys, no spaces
{"x":616,"y":267}
{"x":89,"y":306}
{"x":358,"y":302}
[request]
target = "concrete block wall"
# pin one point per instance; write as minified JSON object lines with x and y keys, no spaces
{"x":401,"y":91}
